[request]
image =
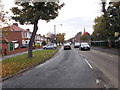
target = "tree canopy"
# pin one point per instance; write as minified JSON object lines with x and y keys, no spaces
{"x":32,"y":12}
{"x":106,"y":25}
{"x":27,"y":13}
{"x":60,"y":37}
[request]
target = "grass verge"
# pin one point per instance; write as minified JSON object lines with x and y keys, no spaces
{"x":15,"y":64}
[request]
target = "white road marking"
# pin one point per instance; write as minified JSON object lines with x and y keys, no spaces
{"x":81,"y":55}
{"x":111,"y":56}
{"x":89,"y":64}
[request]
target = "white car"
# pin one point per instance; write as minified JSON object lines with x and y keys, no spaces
{"x":76,"y":45}
{"x":50,"y":46}
{"x":84,"y":46}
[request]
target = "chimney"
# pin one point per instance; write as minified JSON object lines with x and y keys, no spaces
{"x":28,"y":30}
{"x":16,"y":24}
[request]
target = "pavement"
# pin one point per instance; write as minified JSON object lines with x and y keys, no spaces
{"x":107,"y":50}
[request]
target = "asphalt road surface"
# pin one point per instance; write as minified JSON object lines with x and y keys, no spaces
{"x":68,"y":69}
{"x":105,"y":62}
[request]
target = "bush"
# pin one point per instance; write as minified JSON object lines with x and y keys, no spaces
{"x":44,"y":43}
{"x":37,"y":45}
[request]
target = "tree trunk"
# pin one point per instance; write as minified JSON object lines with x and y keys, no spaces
{"x":30,"y":46}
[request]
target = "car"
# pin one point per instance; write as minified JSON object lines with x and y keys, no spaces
{"x":50,"y":46}
{"x":24,"y":46}
{"x":84,"y":46}
{"x":67,"y":46}
{"x":76,"y":45}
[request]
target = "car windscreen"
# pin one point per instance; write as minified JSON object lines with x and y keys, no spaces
{"x":84,"y":44}
{"x":67,"y":44}
{"x":77,"y":43}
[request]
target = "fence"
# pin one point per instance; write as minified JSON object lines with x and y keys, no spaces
{"x":106,"y":44}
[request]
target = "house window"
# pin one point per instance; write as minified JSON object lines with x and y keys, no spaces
{"x":26,"y":35}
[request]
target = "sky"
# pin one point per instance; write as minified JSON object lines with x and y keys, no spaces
{"x":74,"y":17}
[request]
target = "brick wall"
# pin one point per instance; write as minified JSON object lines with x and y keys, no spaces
{"x":5,"y":49}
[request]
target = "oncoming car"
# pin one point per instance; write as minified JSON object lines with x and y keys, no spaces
{"x":67,"y":46}
{"x":84,"y":46}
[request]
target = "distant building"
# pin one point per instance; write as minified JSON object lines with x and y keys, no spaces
{"x":77,"y":37}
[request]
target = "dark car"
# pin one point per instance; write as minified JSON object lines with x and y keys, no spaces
{"x":84,"y":46}
{"x":24,"y":46}
{"x":76,"y":45}
{"x":67,"y":46}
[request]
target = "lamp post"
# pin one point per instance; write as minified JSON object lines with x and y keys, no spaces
{"x":55,"y":32}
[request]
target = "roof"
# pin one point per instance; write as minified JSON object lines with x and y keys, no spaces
{"x":16,"y":28}
{"x":13,"y":28}
{"x":86,"y":33}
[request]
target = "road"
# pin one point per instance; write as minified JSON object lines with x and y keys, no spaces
{"x":69,"y":69}
{"x":107,"y":63}
{"x":65,"y":70}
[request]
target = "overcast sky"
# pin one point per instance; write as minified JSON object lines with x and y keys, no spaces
{"x":74,"y":17}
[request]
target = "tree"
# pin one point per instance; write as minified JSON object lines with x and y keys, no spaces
{"x":4,"y":19}
{"x":114,"y":14}
{"x":83,"y":38}
{"x":44,"y":43}
{"x":32,"y":12}
{"x":106,"y":25}
{"x":60,"y":38}
{"x":102,"y":29}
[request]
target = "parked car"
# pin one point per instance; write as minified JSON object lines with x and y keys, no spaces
{"x":50,"y":46}
{"x":23,"y":46}
{"x":76,"y":45}
{"x":67,"y":46}
{"x":84,"y":46}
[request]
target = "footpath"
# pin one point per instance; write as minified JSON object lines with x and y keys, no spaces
{"x":13,"y":55}
{"x":107,"y":50}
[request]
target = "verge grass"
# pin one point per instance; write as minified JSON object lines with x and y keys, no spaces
{"x":15,"y":64}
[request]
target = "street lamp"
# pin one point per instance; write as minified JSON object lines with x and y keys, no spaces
{"x":55,"y":32}
{"x":55,"y":28}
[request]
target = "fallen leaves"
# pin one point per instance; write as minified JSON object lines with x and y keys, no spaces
{"x":15,"y":64}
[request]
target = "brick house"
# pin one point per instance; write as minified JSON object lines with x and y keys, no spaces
{"x":17,"y":37}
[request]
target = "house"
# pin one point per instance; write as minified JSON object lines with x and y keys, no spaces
{"x":15,"y":37}
{"x":26,"y":35}
{"x":77,"y":37}
{"x":38,"y":39}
